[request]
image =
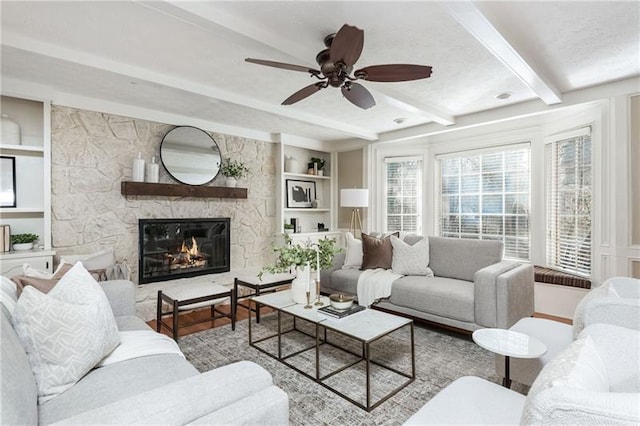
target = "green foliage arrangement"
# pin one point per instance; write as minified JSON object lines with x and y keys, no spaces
{"x":23,"y":238}
{"x":293,"y":255}
{"x":288,"y":226}
{"x":233,"y":168}
{"x":320,"y":162}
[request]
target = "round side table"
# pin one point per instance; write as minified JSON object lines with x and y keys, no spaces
{"x":510,"y":344}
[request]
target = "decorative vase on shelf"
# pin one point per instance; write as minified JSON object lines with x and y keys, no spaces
{"x":22,"y":246}
{"x":291,"y":165}
{"x":138,"y":168}
{"x":231,"y":182}
{"x":299,"y":285}
{"x":11,"y":134}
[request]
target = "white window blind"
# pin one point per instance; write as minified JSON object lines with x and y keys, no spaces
{"x":569,"y":202}
{"x":403,"y":194}
{"x":485,"y":195}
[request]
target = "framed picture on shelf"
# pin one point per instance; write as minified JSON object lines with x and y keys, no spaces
{"x":300,"y":193}
{"x":7,"y":181}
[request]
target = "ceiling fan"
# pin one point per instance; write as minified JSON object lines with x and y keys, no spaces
{"x":336,"y":63}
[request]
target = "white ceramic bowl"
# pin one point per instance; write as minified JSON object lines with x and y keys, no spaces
{"x":341,"y":301}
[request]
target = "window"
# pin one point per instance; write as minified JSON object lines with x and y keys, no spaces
{"x":403,"y":194}
{"x":569,"y":186}
{"x":485,"y":195}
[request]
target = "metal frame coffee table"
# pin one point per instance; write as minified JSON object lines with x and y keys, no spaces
{"x":366,"y":327}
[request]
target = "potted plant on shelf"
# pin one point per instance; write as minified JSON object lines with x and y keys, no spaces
{"x":23,"y":241}
{"x":289,"y":228}
{"x":316,"y":166}
{"x":233,"y":170}
{"x":304,"y":258}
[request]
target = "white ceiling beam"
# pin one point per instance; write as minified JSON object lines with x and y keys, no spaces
{"x":137,"y":73}
{"x":516,"y":111}
{"x":243,"y":30}
{"x":477,"y":24}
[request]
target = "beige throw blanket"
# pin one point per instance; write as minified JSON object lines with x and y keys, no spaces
{"x":375,"y":284}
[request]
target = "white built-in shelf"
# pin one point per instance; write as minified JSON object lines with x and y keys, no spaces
{"x":21,"y":210}
{"x":306,"y":176}
{"x":19,"y":254}
{"x":22,"y":148}
{"x":307,"y":210}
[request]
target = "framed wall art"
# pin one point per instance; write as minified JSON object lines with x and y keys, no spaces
{"x":300,"y":193}
{"x":7,"y":181}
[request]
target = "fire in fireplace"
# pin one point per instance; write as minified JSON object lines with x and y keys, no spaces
{"x":178,"y":248}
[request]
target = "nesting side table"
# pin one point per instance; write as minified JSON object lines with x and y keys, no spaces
{"x":268,"y":284}
{"x":510,"y":344}
{"x":193,"y":296}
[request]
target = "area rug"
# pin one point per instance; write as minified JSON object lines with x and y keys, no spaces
{"x":441,"y":357}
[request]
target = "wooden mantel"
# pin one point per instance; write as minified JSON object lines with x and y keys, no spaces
{"x":179,"y":190}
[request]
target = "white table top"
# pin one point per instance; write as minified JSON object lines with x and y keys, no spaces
{"x":267,"y":278}
{"x":509,"y":343}
{"x":366,"y":325}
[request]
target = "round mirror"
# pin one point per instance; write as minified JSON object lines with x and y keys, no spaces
{"x":190,"y":155}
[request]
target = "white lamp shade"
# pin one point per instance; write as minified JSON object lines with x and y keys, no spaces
{"x":354,"y":197}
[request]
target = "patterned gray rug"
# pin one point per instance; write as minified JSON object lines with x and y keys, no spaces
{"x":441,"y":357}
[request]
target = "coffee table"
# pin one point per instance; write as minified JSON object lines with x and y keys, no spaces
{"x":510,"y":344}
{"x":366,"y":328}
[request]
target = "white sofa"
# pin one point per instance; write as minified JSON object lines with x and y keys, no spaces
{"x":616,"y":302}
{"x":596,"y":380}
{"x":157,"y":389}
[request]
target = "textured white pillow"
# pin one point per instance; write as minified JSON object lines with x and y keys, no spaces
{"x":65,"y":332}
{"x":353,"y":255}
{"x":577,"y":368}
{"x":410,"y":259}
{"x":8,"y":294}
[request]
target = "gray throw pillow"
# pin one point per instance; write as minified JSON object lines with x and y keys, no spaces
{"x":376,"y":253}
{"x":410,"y":259}
{"x":66,"y":332}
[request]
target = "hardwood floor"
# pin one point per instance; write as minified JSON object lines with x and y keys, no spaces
{"x":242,"y":314}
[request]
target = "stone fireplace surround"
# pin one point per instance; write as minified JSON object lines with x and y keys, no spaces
{"x":92,"y":153}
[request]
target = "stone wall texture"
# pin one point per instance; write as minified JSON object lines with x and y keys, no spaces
{"x":93,"y":152}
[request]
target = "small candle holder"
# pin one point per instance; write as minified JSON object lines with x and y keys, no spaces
{"x":318,"y":301}
{"x":308,"y":305}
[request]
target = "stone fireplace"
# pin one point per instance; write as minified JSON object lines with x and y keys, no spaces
{"x":180,"y":248}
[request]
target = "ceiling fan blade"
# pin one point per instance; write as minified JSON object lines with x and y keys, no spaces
{"x":393,"y":72}
{"x":347,"y":45}
{"x":303,"y":93}
{"x":358,"y":95}
{"x":282,"y":65}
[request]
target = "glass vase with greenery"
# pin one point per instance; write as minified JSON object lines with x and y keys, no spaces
{"x":291,"y":255}
{"x":234,"y":169}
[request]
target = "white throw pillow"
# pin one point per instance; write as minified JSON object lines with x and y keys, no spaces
{"x":65,"y":332}
{"x":577,"y":368}
{"x":99,"y":260}
{"x":353,"y":254}
{"x":410,"y":259}
{"x":8,"y":294}
{"x":31,"y":272}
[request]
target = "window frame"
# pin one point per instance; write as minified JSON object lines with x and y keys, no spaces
{"x":419,"y":191}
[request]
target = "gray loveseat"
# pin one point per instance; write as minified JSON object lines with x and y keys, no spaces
{"x":472,"y":288}
{"x":157,"y":389}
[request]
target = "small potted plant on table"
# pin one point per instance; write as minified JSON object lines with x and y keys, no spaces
{"x":233,"y":170}
{"x":23,"y":241}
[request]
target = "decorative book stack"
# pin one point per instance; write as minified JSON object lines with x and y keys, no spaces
{"x":5,"y":238}
{"x":337,"y":314}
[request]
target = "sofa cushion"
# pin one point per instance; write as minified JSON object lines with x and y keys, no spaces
{"x":345,"y":280}
{"x":410,"y":259}
{"x":66,"y":332}
{"x":462,"y":258}
{"x":376,"y":253}
{"x":112,"y":383}
{"x":438,"y":296}
{"x":18,"y":389}
{"x":353,"y":252}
